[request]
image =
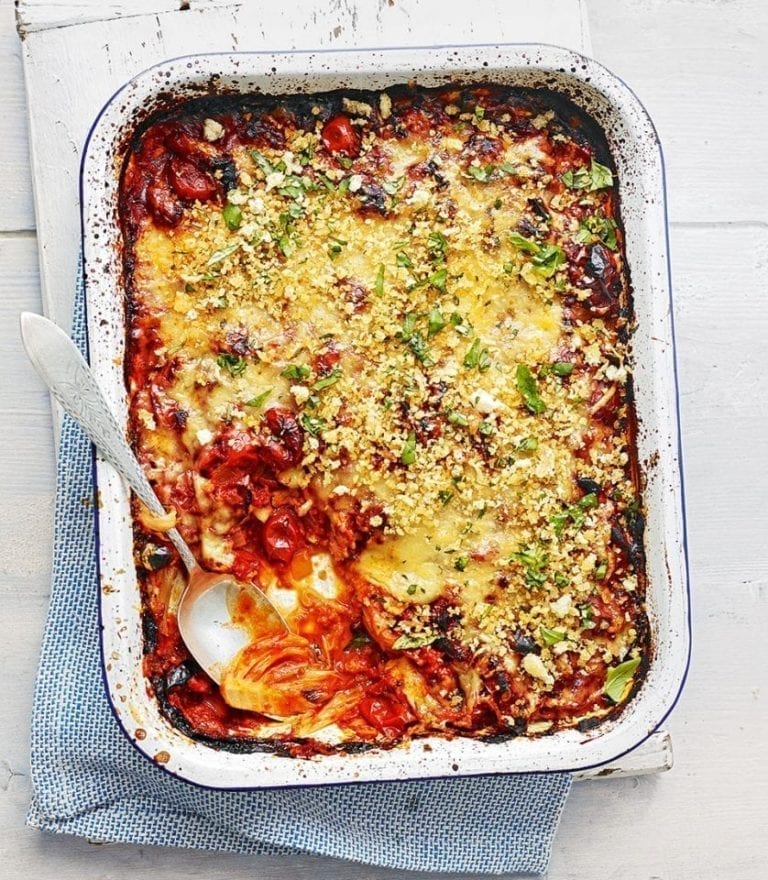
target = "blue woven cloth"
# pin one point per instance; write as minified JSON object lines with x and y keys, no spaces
{"x":89,"y":781}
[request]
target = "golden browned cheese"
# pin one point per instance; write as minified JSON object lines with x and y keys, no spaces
{"x":441,"y":302}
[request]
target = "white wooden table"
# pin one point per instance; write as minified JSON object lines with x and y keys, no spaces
{"x":701,"y":68}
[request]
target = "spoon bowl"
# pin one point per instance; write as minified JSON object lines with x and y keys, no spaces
{"x":209,"y":614}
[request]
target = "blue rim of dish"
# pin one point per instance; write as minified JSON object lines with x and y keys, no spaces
{"x":586,"y":62}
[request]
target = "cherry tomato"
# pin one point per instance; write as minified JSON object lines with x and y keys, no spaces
{"x":190,"y":182}
{"x":385,"y":714}
{"x":286,"y":447}
{"x":338,"y":136}
{"x":283,"y":535}
{"x":163,"y":205}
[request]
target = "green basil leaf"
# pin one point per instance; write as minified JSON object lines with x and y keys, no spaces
{"x":548,"y":260}
{"x":435,"y":322}
{"x":409,"y":641}
{"x":408,"y":455}
{"x":480,"y":173}
{"x":232,"y":363}
{"x":562,"y":368}
{"x":259,"y":399}
{"x":600,"y":176}
{"x":379,"y":284}
{"x":525,"y":244}
{"x":551,"y":636}
{"x":327,"y":381}
{"x":296,"y":371}
{"x":437,"y":244}
{"x":526,"y":385}
{"x":438,"y":279}
{"x":618,"y":679}
{"x":477,"y":356}
{"x":456,"y":418}
{"x":534,"y":561}
{"x":233,"y":215}
{"x":312,"y":424}
{"x":218,"y":256}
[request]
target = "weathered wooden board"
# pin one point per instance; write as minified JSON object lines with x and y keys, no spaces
{"x":17,"y":212}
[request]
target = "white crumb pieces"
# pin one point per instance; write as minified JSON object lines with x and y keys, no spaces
{"x":534,"y":666}
{"x":357,"y":108}
{"x":204,"y":436}
{"x":212,"y":130}
{"x":385,"y":105}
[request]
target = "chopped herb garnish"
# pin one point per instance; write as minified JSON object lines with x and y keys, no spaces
{"x":481,"y":173}
{"x":438,"y":279}
{"x":456,"y":418}
{"x":598,"y":228}
{"x":530,"y":444}
{"x":409,"y":641}
{"x":545,"y":258}
{"x":437,"y":244}
{"x":232,"y":363}
{"x":586,"y":613}
{"x":595,"y":177}
{"x":232,"y":215}
{"x":259,"y":400}
{"x":436,"y":322}
{"x":444,"y":495}
{"x":562,"y":368}
{"x":418,"y":347}
{"x":526,"y":385}
{"x":296,"y":371}
{"x":359,"y":640}
{"x":327,"y":381}
{"x":601,"y":570}
{"x":285,"y":245}
{"x":402,"y":259}
{"x":618,"y":679}
{"x":391,"y":187}
{"x":477,"y":356}
{"x":379,"y":283}
{"x":263,"y":163}
{"x":218,"y":256}
{"x":534,"y":561}
{"x":574,"y":513}
{"x":525,"y":244}
{"x":408,"y":455}
{"x":486,"y":428}
{"x":461,"y":562}
{"x":312,"y":424}
{"x":551,"y":636}
{"x":412,"y":589}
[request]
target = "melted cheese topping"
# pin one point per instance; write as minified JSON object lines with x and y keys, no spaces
{"x":424,"y":346}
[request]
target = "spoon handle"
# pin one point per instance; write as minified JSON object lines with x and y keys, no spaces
{"x":70,"y":380}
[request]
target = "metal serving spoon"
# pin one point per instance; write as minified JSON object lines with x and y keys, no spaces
{"x":205,"y":609}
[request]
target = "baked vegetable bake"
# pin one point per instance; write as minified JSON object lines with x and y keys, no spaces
{"x":377,"y":365}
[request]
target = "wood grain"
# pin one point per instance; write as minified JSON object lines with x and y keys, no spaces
{"x":701,"y":70}
{"x":17,"y":212}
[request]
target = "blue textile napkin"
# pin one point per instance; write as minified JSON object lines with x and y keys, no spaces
{"x":89,"y":781}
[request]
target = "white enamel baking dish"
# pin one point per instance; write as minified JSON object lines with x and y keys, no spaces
{"x":639,"y":160}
